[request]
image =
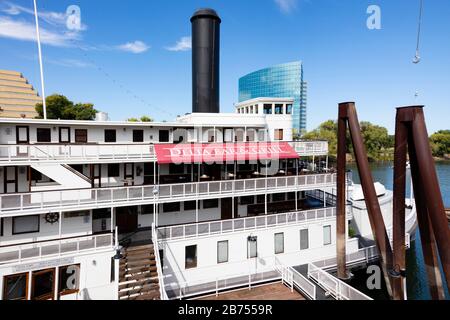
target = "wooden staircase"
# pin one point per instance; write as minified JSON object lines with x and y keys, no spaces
{"x":138,"y":276}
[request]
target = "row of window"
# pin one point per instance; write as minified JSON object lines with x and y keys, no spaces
{"x":267,"y":109}
{"x":43,"y":283}
{"x":43,"y":135}
{"x":252,"y":247}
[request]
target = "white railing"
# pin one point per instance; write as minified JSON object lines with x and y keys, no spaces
{"x":55,"y":248}
{"x":68,"y":153}
{"x":162,"y":291}
{"x":337,"y":288}
{"x":105,"y":197}
{"x":218,"y":285}
{"x":243,"y":224}
{"x":310,"y":148}
{"x":22,"y":153}
{"x":294,"y":279}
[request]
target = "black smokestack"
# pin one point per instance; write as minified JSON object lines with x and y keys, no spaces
{"x":205,"y":61}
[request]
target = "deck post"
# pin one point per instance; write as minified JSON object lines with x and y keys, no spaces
{"x":433,"y":223}
{"x":398,"y":213}
{"x":347,"y":111}
{"x":340,"y":193}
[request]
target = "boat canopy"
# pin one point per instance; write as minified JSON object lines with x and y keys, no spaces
{"x":223,"y":152}
{"x":358,"y":194}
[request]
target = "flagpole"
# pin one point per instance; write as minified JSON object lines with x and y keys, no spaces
{"x":40,"y":61}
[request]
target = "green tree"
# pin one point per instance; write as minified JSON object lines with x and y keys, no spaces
{"x":146,"y":119}
{"x":376,"y":139}
{"x":59,"y":107}
{"x":326,"y":131}
{"x":440,"y":143}
{"x":133,"y":120}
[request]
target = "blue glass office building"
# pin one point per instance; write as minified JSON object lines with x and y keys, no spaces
{"x":280,"y":81}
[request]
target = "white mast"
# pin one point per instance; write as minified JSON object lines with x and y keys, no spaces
{"x":40,"y":60}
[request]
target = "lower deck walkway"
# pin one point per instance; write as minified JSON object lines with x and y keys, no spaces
{"x":320,"y":293}
{"x":274,"y":291}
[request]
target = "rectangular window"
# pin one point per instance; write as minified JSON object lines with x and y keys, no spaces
{"x":247,"y":200}
{"x":252,"y":247}
{"x":210,"y":203}
{"x":43,"y":135}
{"x":228,"y":135}
{"x":260,"y":198}
{"x":176,"y":168}
{"x":189,"y":205}
{"x":304,"y":239}
{"x":110,"y":135}
{"x":15,"y":287}
{"x":278,"y":134}
{"x":69,"y":279}
{"x":147,"y":209}
{"x":276,"y":197}
{"x":279,"y":243}
{"x":138,"y":135}
{"x":190,"y":260}
{"x":256,"y":109}
{"x":278,"y":109}
{"x":267,"y":109}
{"x":222,"y":251}
{"x":163,"y":135}
{"x":81,"y":136}
{"x":251,"y":135}
{"x":326,"y":235}
{"x":64,"y":135}
{"x":113,"y":170}
{"x":42,"y":284}
{"x":289,"y":109}
{"x":25,"y":224}
{"x":171,"y":207}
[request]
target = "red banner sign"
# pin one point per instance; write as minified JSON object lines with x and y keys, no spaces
{"x":223,"y":152}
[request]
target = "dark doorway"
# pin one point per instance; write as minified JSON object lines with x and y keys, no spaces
{"x":96,"y":175}
{"x":10,"y":180}
{"x":127,"y":219}
{"x":226,"y":208}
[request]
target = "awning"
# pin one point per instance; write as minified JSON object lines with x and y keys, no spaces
{"x":223,"y":152}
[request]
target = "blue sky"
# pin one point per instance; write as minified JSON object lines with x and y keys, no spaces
{"x":132,"y":57}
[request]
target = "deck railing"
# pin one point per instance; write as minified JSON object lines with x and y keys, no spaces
{"x":337,"y":288}
{"x":69,"y":153}
{"x":75,"y":152}
{"x":295,"y":280}
{"x":55,"y":248}
{"x":104,"y":197}
{"x":162,"y":291}
{"x":215,"y":286}
{"x":244,"y":224}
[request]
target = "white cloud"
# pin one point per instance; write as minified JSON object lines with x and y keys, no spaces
{"x":184,"y":44}
{"x":287,"y":6}
{"x":134,"y":47}
{"x":70,"y":63}
{"x":25,"y":31}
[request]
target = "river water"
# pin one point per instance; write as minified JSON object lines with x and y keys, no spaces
{"x":417,"y":284}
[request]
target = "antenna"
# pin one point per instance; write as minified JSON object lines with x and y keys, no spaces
{"x":40,"y":60}
{"x":417,"y":58}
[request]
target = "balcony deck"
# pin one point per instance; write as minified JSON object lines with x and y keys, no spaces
{"x":273,"y":291}
{"x":55,"y":248}
{"x":25,"y":154}
{"x":79,"y":199}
